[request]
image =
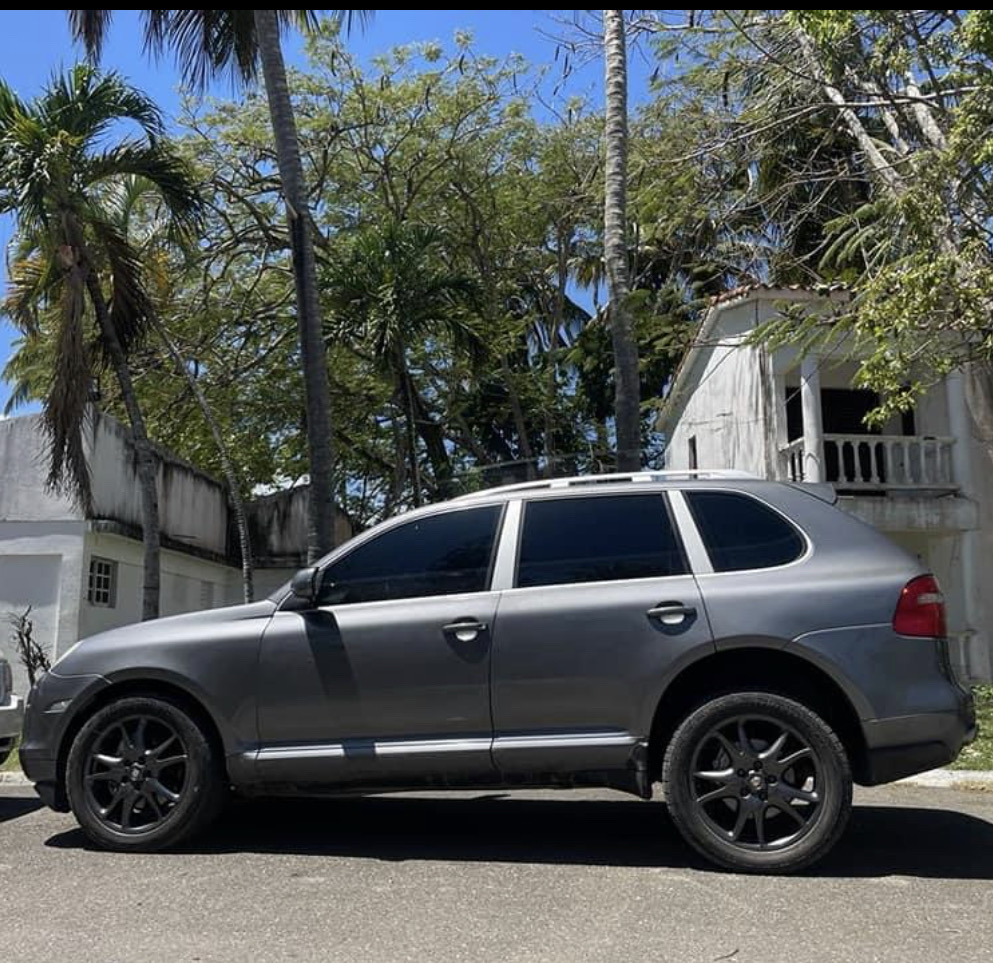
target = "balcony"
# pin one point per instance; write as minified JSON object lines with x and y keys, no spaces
{"x":878,"y":463}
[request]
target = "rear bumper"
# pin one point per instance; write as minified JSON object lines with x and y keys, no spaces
{"x":906,"y":745}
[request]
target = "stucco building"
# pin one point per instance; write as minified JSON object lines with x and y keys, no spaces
{"x":923,"y":479}
{"x":82,"y":573}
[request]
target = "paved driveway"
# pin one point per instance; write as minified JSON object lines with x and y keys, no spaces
{"x":534,"y":876}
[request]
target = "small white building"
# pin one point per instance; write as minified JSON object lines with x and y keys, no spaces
{"x":83,"y":573}
{"x":924,"y":479}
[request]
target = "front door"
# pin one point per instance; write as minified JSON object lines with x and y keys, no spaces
{"x":388,"y":678}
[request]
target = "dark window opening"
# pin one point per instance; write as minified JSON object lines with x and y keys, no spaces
{"x":598,"y":539}
{"x":443,"y":554}
{"x":740,"y":532}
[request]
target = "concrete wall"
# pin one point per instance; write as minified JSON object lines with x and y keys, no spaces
{"x":188,"y":583}
{"x":730,"y":411}
{"x":192,"y":505}
{"x":278,"y":527}
{"x":41,"y":544}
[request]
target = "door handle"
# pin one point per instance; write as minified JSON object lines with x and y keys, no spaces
{"x":672,"y":613}
{"x":465,"y":630}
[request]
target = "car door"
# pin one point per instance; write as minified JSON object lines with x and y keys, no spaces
{"x":387,"y":678}
{"x":602,"y":611}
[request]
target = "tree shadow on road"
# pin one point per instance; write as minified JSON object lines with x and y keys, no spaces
{"x":13,"y":807}
{"x":880,"y":841}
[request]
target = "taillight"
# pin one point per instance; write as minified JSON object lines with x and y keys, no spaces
{"x":921,"y":609}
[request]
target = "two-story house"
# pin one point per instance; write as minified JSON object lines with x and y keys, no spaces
{"x":924,"y":478}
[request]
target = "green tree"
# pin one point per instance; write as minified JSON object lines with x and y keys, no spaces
{"x":208,"y":43}
{"x":74,"y":276}
{"x":388,"y":292}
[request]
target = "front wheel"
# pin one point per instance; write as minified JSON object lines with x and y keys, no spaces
{"x":142,"y":775}
{"x":758,"y":783}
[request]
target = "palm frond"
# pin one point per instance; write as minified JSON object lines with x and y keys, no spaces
{"x":90,"y":28}
{"x":64,"y":409}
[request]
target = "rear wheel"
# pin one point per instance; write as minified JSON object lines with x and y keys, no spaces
{"x":142,"y":775}
{"x":757,"y":782}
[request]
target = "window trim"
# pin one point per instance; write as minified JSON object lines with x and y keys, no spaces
{"x":114,"y":569}
{"x":661,"y":493}
{"x":808,"y":545}
{"x":379,"y":531}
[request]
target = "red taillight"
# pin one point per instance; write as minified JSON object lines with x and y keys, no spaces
{"x":921,"y":609}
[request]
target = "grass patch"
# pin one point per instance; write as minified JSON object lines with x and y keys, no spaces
{"x":980,"y":754}
{"x":12,"y":765}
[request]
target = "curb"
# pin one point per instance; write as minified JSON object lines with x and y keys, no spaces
{"x":981,"y":779}
{"x":934,"y":779}
{"x":14,"y":779}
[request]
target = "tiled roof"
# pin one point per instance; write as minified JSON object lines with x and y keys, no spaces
{"x":740,"y":291}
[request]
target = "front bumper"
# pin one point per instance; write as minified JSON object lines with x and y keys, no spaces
{"x":11,"y":719}
{"x":52,"y":706}
{"x":907,"y":745}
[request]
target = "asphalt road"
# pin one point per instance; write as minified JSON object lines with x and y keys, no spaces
{"x":531,"y":876}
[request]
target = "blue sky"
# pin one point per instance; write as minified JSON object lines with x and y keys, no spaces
{"x":33,"y":44}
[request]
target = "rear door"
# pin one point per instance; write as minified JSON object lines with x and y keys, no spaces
{"x":603,"y":608}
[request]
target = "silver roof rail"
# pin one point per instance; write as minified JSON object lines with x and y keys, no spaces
{"x":592,"y":480}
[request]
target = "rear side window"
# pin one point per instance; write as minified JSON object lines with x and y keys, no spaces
{"x":597,"y":539}
{"x":742,"y":533}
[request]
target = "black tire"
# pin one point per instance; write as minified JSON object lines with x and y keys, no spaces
{"x":772,"y":797}
{"x":143,"y":775}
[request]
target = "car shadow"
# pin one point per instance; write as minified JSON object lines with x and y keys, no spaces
{"x":13,"y":807}
{"x":495,"y":827}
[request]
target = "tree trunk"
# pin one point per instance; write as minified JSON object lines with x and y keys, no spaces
{"x":234,"y":492}
{"x":410,"y":423}
{"x":320,"y":513}
{"x":145,"y":456}
{"x":627,"y":402}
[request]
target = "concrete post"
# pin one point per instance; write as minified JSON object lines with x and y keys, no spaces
{"x":813,"y":424}
{"x":976,"y":655}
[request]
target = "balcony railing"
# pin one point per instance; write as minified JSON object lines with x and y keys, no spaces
{"x":878,"y":462}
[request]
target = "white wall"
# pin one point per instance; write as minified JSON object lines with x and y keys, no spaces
{"x":729,"y":408}
{"x":187,"y":583}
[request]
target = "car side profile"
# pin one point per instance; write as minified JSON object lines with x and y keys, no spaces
{"x":744,"y":643}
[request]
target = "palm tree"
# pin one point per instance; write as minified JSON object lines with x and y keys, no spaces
{"x":137,"y":213}
{"x":206,"y":44}
{"x":388,"y":292}
{"x":73,"y":268}
{"x":627,"y":401}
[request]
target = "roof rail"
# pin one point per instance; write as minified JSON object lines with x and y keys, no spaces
{"x":579,"y":481}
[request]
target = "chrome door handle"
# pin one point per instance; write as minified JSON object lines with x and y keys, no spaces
{"x":465,"y":631}
{"x":672,"y":613}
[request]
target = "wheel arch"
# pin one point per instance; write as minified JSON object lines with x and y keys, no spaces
{"x":757,"y":668}
{"x":145,"y":685}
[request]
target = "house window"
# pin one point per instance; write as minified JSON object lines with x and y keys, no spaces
{"x":693,"y":458}
{"x":103,"y":583}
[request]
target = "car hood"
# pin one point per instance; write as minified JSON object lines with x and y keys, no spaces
{"x":173,"y":628}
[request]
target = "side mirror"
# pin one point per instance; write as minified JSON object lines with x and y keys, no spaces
{"x":305,"y":584}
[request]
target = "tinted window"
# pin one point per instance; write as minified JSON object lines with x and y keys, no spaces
{"x":438,"y":555}
{"x":597,"y":539}
{"x":742,"y":533}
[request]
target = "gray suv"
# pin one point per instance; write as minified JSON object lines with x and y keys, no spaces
{"x":744,"y":643}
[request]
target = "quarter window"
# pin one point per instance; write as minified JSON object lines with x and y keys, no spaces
{"x":437,"y":555}
{"x":597,"y":539}
{"x":740,"y":532}
{"x":102,"y":588}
